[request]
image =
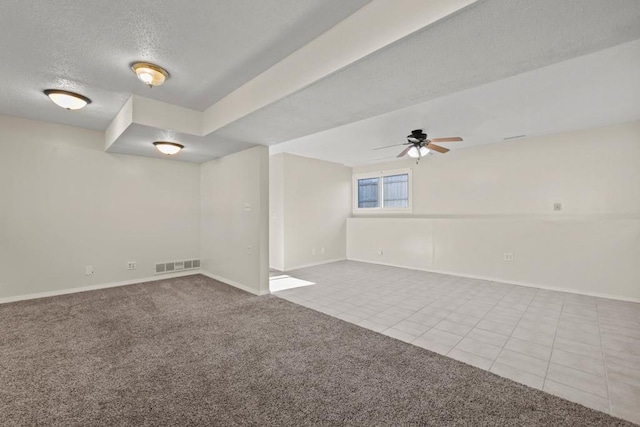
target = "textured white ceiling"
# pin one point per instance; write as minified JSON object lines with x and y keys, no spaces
{"x":459,"y":71}
{"x":210,"y":47}
{"x":593,"y":90}
{"x":485,"y":42}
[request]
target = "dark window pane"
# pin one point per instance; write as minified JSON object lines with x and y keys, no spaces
{"x":395,"y":189}
{"x":368,"y":193}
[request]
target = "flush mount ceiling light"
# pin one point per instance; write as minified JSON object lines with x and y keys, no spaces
{"x":168,"y":148}
{"x":66,"y":99}
{"x":150,"y":74}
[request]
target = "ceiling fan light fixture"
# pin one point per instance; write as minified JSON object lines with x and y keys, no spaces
{"x":416,"y":152}
{"x":419,"y":146}
{"x":66,"y":99}
{"x":168,"y":148}
{"x":150,"y":74}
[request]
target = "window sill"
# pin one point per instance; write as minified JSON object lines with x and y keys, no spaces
{"x":378,"y":211}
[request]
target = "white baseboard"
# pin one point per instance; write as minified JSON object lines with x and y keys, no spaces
{"x":517,"y":283}
{"x":313,"y":264}
{"x":96,"y":287}
{"x":234,"y":284}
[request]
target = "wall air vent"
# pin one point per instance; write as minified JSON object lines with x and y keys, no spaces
{"x":174,"y":266}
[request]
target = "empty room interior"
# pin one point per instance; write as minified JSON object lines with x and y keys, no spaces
{"x":366,"y":212}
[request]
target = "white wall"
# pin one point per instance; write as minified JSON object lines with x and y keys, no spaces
{"x":66,"y":204}
{"x":310,"y":217}
{"x":276,"y":209}
{"x":471,"y":206}
{"x":235,"y":204}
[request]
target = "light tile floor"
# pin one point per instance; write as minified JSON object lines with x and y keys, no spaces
{"x":581,"y":348}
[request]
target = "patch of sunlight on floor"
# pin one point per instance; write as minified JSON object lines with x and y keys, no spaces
{"x":280,"y":283}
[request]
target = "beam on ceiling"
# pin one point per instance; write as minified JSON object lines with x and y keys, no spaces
{"x":375,"y":26}
{"x":378,"y":24}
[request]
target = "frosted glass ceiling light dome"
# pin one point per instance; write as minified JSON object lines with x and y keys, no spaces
{"x":66,"y":99}
{"x":415,"y":152}
{"x":150,"y":74}
{"x":168,"y":148}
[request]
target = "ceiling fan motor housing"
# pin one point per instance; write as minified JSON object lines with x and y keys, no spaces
{"x":417,"y":136}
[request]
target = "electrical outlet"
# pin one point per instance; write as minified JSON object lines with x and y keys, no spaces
{"x":131,"y":265}
{"x":322,"y":251}
{"x":508,"y":256}
{"x":380,"y":252}
{"x":313,"y":251}
{"x":249,"y":250}
{"x":557,"y":206}
{"x":88,"y":270}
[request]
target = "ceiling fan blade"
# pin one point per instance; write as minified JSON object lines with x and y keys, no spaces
{"x":451,"y":139}
{"x":405,"y":151}
{"x":388,"y":146}
{"x":436,"y":148}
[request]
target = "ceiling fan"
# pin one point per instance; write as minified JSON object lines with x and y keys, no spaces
{"x":419,"y":146}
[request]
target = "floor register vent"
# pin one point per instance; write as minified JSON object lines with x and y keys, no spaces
{"x":173,"y":266}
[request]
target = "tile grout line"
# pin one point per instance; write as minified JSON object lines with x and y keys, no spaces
{"x":604,"y":360}
{"x":402,"y":319}
{"x":405,"y":318}
{"x":583,"y":391}
{"x":417,"y":311}
{"x":451,"y":312}
{"x":481,"y":319}
{"x":511,"y":334}
{"x":553,"y":345}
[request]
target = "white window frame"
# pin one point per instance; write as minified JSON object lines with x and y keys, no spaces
{"x":381,"y":175}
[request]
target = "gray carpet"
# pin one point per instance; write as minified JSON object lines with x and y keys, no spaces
{"x":192,"y":351}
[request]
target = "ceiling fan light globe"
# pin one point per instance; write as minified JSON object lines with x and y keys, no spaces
{"x":424,"y":151}
{"x":413,"y":152}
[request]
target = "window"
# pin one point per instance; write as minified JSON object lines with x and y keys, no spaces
{"x":382,"y":191}
{"x":369,"y":193}
{"x":395,"y":190}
